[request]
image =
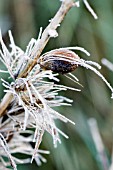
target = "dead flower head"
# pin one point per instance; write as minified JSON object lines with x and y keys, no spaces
{"x":34,"y":97}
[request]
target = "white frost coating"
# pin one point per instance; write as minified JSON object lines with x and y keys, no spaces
{"x":84,"y":64}
{"x":71,"y":79}
{"x":53,"y":33}
{"x":77,"y":61}
{"x":90,"y":9}
{"x":3,"y":71}
{"x":6,"y":149}
{"x":77,"y":48}
{"x":28,"y":89}
{"x":38,"y":96}
{"x":40,"y":33}
{"x":13,"y":46}
{"x":77,"y":4}
{"x":94,"y":64}
{"x":71,"y":48}
{"x":73,"y":76}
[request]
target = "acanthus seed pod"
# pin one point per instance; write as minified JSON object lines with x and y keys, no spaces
{"x":59,"y":60}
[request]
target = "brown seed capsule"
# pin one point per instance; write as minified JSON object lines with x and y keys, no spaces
{"x":59,"y":60}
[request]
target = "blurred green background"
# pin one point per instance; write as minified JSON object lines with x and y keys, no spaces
{"x":24,"y":18}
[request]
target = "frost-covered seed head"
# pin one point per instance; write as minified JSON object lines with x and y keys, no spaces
{"x":59,"y":61}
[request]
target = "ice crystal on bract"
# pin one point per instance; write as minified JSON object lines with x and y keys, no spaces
{"x":34,"y":98}
{"x":32,"y":105}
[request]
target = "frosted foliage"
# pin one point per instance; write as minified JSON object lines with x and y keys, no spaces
{"x":31,"y":110}
{"x":34,"y":99}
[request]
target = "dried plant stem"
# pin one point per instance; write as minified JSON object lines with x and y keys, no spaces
{"x":5,"y":102}
{"x":49,"y":32}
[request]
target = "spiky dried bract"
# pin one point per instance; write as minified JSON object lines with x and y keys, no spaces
{"x":32,"y":108}
{"x":20,"y":144}
{"x":34,"y":98}
{"x":30,"y":105}
{"x":65,"y":56}
{"x":15,"y":58}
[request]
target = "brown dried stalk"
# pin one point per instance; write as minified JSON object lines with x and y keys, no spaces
{"x":50,"y":31}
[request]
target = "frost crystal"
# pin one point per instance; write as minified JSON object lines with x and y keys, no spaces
{"x":34,"y":98}
{"x":32,"y":105}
